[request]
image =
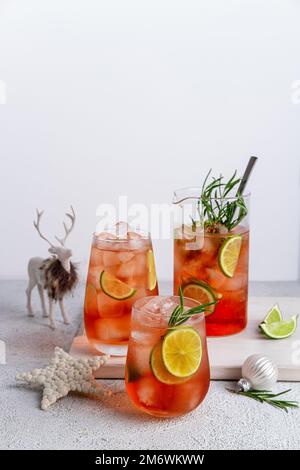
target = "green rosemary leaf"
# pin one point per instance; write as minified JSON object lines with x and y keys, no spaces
{"x":205,"y":179}
{"x":194,"y":224}
{"x":273,"y":395}
{"x":180,"y":316}
{"x":198,"y":308}
{"x":214,"y":205}
{"x":181,"y":299}
{"x":172,"y":319}
{"x":231,"y":183}
{"x":266,"y":396}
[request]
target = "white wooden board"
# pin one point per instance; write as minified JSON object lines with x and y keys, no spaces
{"x":227,"y":354}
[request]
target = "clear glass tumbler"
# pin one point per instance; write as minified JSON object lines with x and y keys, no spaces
{"x":167,"y":368}
{"x":121,"y":270}
{"x":211,"y":260}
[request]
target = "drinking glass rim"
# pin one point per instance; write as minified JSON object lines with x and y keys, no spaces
{"x":198,"y":188}
{"x":135,"y":307}
{"x":145,"y":235}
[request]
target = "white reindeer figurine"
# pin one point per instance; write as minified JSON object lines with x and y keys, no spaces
{"x":57,"y":275}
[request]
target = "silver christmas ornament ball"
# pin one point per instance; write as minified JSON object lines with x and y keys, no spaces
{"x":258,"y":372}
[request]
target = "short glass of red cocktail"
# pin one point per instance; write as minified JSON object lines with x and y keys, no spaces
{"x":211,"y":251}
{"x":121,"y":270}
{"x":167,"y":368}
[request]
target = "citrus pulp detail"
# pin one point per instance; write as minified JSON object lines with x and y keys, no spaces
{"x":115,"y":288}
{"x":182,"y":351}
{"x":229,"y":254}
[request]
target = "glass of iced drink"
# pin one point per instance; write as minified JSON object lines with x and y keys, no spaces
{"x":167,"y":368}
{"x":211,"y":251}
{"x":121,"y":270}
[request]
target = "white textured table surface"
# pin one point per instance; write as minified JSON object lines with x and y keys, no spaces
{"x":223,"y":420}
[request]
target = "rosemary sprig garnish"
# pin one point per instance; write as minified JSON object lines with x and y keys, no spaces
{"x":214,"y":207}
{"x":194,"y":224}
{"x":179,"y":315}
{"x":265,"y":396}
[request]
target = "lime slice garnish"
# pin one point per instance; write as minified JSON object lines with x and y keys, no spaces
{"x":115,"y":288}
{"x":229,"y":254}
{"x":280,"y":329}
{"x":182,"y":351}
{"x":151,"y":270}
{"x":159,"y":369}
{"x":201,"y":292}
{"x":274,"y":315}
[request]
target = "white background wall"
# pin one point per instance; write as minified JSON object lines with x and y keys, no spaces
{"x":140,"y":97}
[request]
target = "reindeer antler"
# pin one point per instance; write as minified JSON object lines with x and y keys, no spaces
{"x":68,"y":230}
{"x":37,"y":226}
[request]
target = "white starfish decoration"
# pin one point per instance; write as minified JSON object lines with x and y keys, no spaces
{"x":64,"y":374}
